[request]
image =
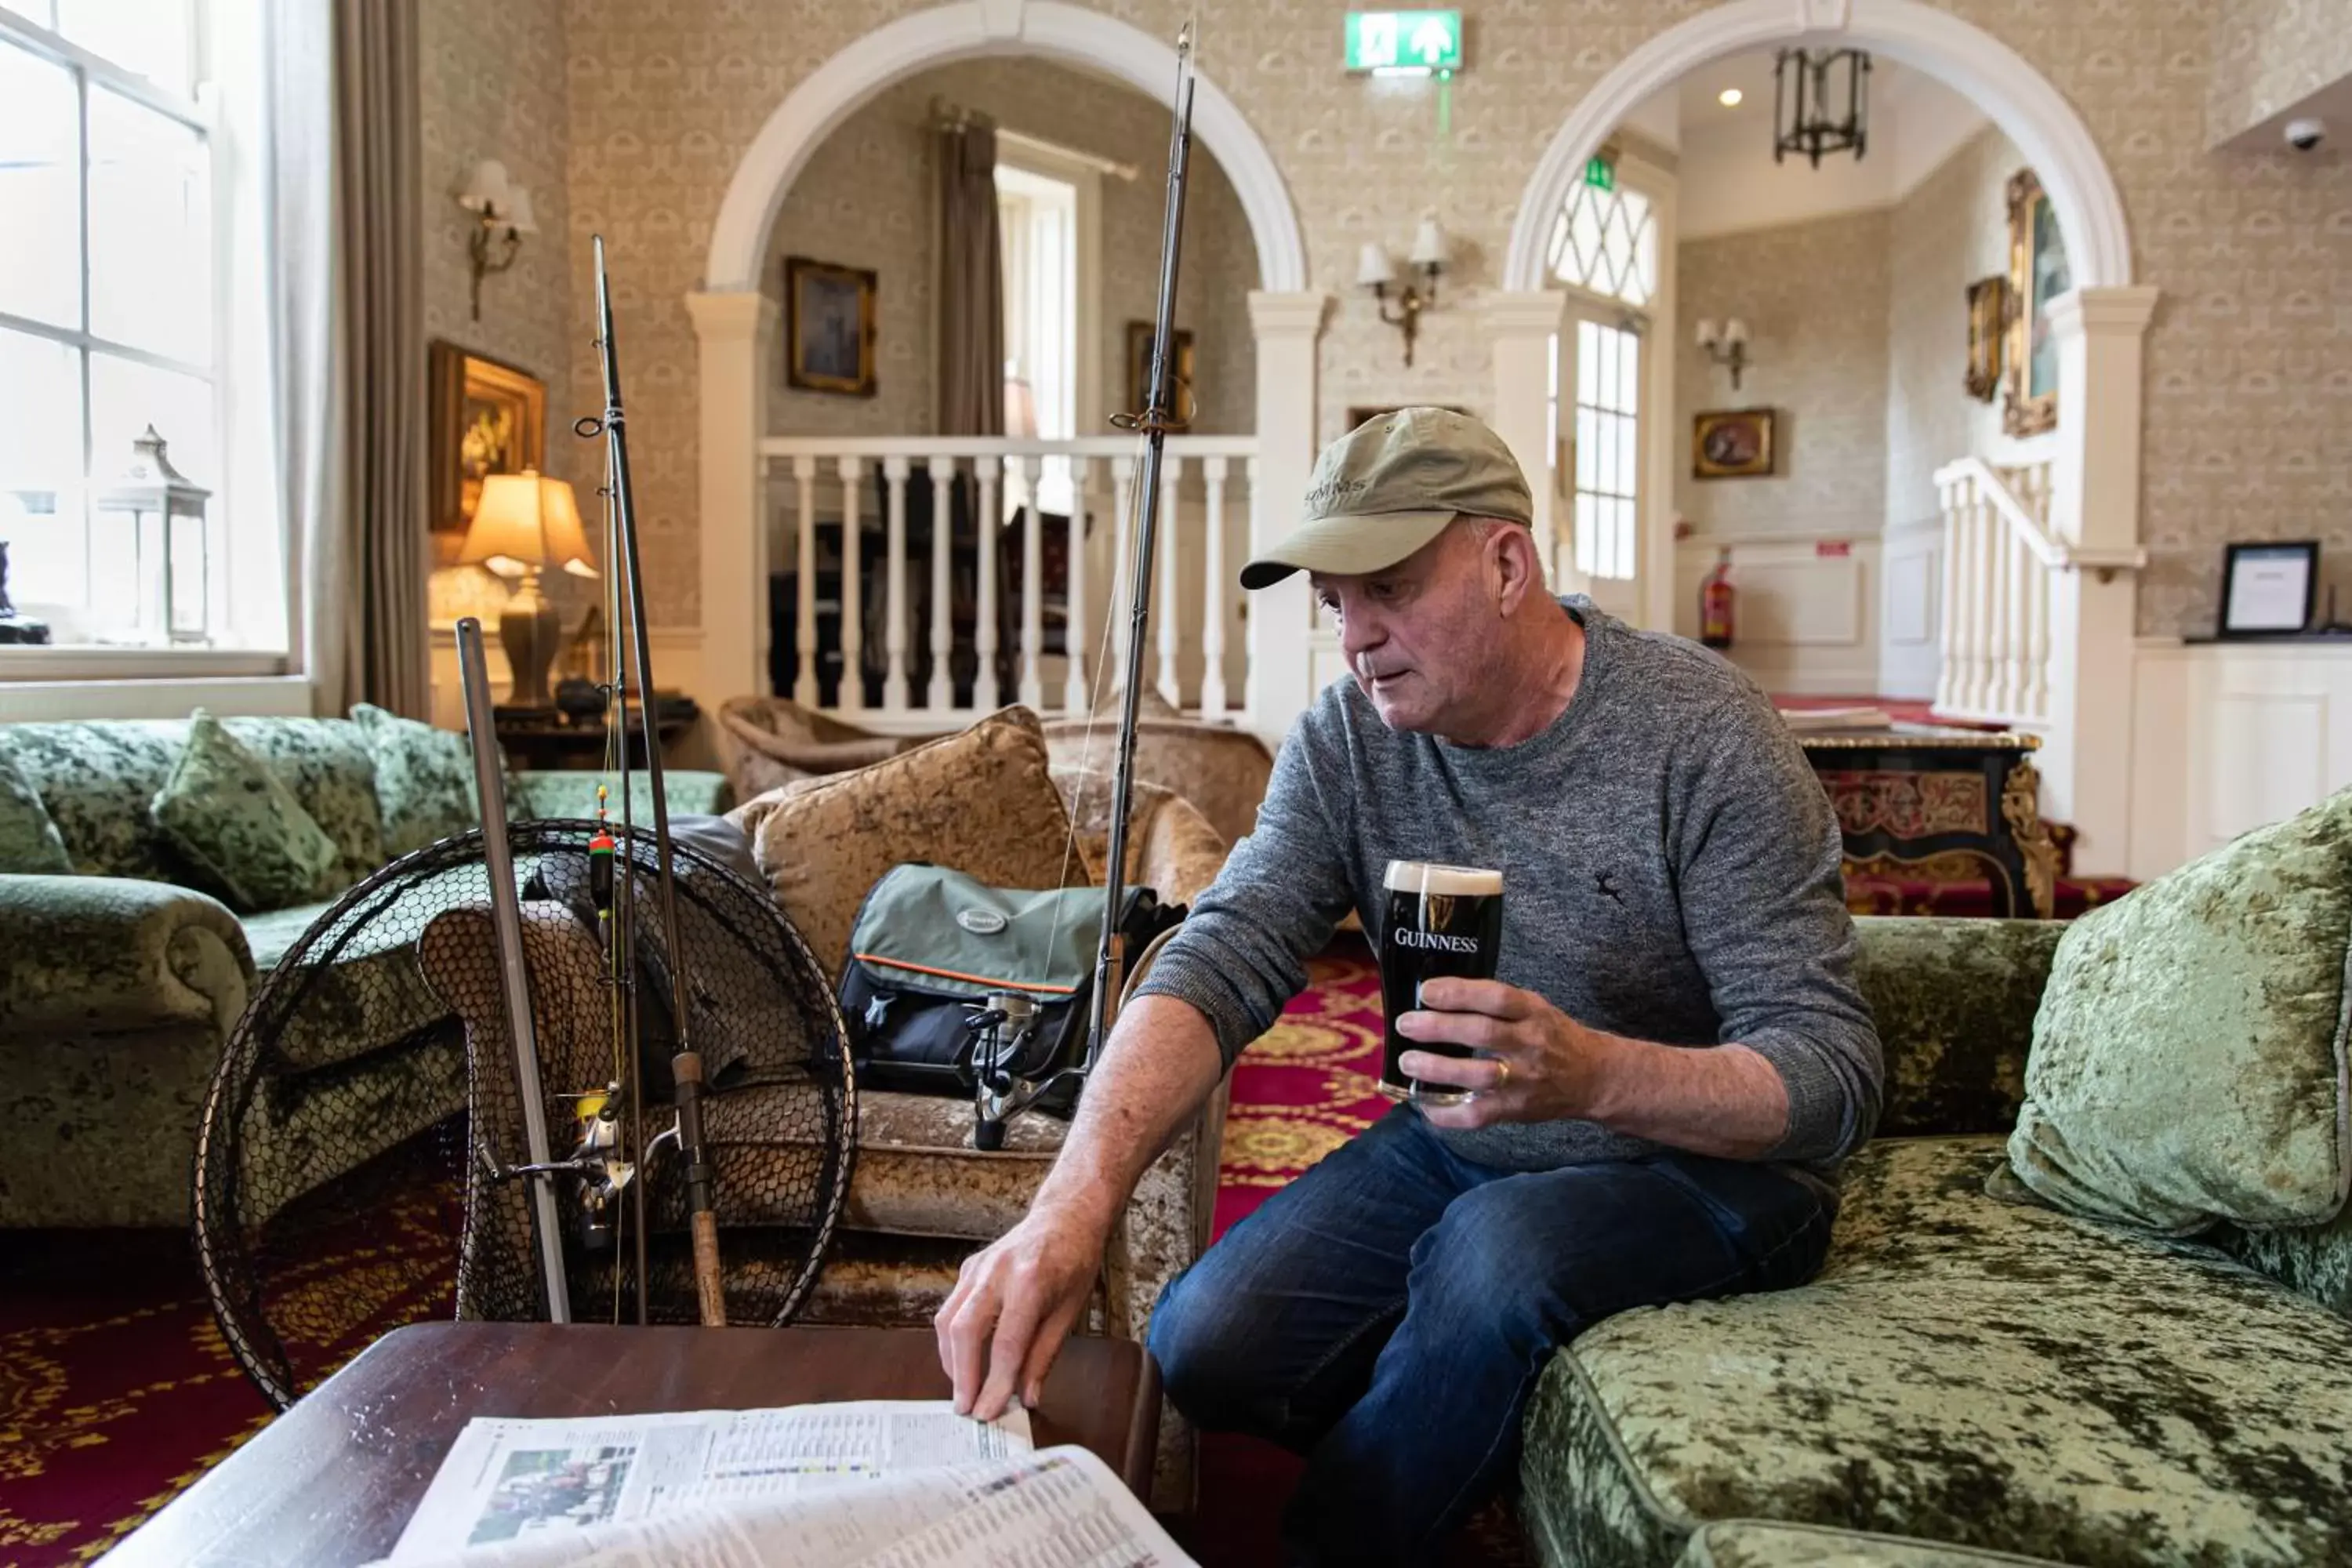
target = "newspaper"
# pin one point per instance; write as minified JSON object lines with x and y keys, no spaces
{"x":881,"y":1484}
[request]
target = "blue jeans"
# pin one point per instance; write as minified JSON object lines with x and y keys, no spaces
{"x":1387,"y":1314}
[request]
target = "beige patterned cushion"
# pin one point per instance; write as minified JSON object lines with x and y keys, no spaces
{"x":979,"y":801}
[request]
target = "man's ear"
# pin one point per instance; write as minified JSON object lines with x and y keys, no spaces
{"x":1513,"y":566}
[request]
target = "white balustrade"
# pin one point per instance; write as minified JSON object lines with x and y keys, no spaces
{"x":978,"y":487}
{"x":1999,"y":555}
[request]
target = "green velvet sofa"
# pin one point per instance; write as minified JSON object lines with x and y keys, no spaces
{"x":119,"y":984}
{"x":1968,"y":1380}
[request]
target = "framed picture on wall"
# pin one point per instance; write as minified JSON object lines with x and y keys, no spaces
{"x":487,"y":417}
{"x":2037,"y":275}
{"x":829,"y":327}
{"x":2269,"y":590}
{"x":1732,"y":444}
{"x":1139,"y":371}
{"x":1988,"y":319}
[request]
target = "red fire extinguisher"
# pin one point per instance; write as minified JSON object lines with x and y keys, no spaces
{"x":1714,"y":596}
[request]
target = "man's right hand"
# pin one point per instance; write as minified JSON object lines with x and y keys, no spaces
{"x":1014,"y":1303}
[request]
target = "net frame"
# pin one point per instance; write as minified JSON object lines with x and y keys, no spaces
{"x":352,"y":1082}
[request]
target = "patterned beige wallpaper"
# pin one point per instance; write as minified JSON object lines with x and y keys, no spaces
{"x":493,"y":87}
{"x":2269,"y":54}
{"x":1813,"y":296}
{"x":2249,"y":375}
{"x":865,"y":200}
{"x":1952,"y":229}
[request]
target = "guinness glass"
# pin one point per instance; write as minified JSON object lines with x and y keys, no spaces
{"x":1437,"y":919}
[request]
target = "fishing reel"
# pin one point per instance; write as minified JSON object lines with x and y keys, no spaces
{"x":1003,"y":1029}
{"x":596,"y":1161}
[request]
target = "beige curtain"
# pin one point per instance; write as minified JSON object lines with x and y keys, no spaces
{"x":972,"y":285}
{"x":349,"y":252}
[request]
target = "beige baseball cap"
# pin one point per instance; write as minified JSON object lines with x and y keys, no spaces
{"x":1388,"y":487}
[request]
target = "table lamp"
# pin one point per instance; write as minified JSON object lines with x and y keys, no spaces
{"x":523,"y":523}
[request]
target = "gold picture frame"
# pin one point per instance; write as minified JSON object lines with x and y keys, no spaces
{"x":2037,"y":274}
{"x":829,"y":327}
{"x":487,"y":417}
{"x":1732,"y":444}
{"x":1139,"y":371}
{"x":1988,"y":319}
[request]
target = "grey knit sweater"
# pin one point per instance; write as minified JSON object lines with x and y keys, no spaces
{"x":1671,"y":872}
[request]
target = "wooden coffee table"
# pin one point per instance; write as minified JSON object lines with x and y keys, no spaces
{"x":333,"y":1480}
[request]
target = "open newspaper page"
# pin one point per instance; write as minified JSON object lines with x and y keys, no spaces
{"x":516,"y":1480}
{"x":1061,"y":1508}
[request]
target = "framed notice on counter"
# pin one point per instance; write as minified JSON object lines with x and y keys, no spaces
{"x":2268,"y":590}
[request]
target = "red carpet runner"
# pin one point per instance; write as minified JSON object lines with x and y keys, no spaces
{"x":116,"y":1390}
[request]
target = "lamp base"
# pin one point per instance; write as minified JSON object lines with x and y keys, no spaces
{"x":529,"y":630}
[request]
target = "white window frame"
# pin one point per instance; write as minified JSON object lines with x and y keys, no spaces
{"x":1085,"y":174}
{"x":226,"y":111}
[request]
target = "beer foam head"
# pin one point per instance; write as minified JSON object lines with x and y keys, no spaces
{"x":1445,"y":881}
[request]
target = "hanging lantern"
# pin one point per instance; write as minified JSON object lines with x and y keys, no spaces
{"x":153,"y":519}
{"x":1820,"y":103}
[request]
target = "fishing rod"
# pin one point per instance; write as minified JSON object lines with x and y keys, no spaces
{"x":999,"y":1095}
{"x":686,"y":1062}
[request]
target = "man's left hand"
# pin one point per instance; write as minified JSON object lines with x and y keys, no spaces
{"x":1535,"y":1063}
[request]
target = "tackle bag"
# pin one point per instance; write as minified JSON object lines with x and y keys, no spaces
{"x":929,"y":944}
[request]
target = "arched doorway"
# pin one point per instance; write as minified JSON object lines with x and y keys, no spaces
{"x":737,"y":325}
{"x":2093,"y":518}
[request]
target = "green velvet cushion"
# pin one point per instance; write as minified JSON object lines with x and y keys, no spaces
{"x":29,"y":844}
{"x":572,"y":793}
{"x":424,"y":779}
{"x":1954,"y":1001}
{"x":241,"y":830}
{"x":1983,"y":1374}
{"x":2189,"y":1059}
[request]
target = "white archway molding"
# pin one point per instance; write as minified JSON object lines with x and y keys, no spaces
{"x":1999,"y":82}
{"x":967,"y":30}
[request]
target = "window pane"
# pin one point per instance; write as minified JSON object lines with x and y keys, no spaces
{"x":1627,"y":484}
{"x":150,"y":231}
{"x":125,"y":397}
{"x":147,"y":38}
{"x":1588,"y":448}
{"x":1584,"y":533}
{"x":40,"y":261}
{"x":1629,"y":396}
{"x":40,"y":470}
{"x":1588,"y":366}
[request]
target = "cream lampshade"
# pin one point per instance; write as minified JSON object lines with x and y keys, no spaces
{"x":523,"y":523}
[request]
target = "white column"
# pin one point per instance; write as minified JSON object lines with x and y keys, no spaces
{"x":1077,"y":632}
{"x":2086,"y":762}
{"x":1032,"y":586}
{"x":735,"y":334}
{"x":852,"y":696}
{"x":1281,"y":619}
{"x":1123,"y":479}
{"x":1167,"y":600}
{"x":985,"y":692}
{"x":805,"y":553}
{"x":1519,"y":332}
{"x":894,"y":597}
{"x":941,"y":694}
{"x":1216,"y":593}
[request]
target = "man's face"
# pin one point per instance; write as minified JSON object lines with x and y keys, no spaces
{"x":1420,"y":636}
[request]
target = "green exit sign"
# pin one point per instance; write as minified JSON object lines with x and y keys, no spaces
{"x":1419,"y":41}
{"x":1600,"y":173}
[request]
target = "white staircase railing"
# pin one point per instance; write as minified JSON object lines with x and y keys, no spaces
{"x":1999,"y":556}
{"x":1010,"y":601}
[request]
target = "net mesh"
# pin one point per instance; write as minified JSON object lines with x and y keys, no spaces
{"x":372,"y":1083}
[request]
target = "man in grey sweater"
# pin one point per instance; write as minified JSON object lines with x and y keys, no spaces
{"x":1666,"y":1072}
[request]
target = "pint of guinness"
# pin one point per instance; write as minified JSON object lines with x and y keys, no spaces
{"x":1435,"y":920}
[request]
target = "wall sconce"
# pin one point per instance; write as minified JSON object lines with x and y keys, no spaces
{"x":1375,"y":271}
{"x":503,"y":213}
{"x":1726,"y":344}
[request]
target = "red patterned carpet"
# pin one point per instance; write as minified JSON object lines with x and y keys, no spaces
{"x":116,"y":1390}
